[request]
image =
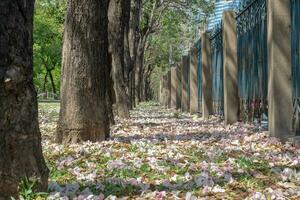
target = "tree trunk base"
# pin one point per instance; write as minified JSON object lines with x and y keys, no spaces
{"x":66,"y":136}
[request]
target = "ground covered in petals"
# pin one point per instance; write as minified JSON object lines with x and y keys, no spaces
{"x":162,"y":154}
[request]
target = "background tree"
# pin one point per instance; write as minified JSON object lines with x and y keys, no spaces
{"x":83,"y":114}
{"x":20,"y":143}
{"x":116,"y":33}
{"x":128,"y":65}
{"x":48,"y":32}
{"x":166,"y":22}
{"x":133,"y":35}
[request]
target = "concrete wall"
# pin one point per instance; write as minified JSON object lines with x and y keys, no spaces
{"x":185,"y":84}
{"x":280,"y":69}
{"x":207,"y":102}
{"x":179,"y":88}
{"x":174,"y":87}
{"x":193,"y":82}
{"x":231,"y":99}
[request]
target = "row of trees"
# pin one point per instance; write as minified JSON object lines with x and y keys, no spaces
{"x":103,"y":64}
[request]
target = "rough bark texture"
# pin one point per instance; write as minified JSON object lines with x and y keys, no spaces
{"x":116,"y":42}
{"x":110,"y":95}
{"x":127,"y":58}
{"x":83,"y":114}
{"x":149,"y":92}
{"x":132,"y":88}
{"x":139,"y":70}
{"x":20,"y":139}
{"x":133,"y":42}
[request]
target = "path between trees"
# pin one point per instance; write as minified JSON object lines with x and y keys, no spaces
{"x":161,"y":154}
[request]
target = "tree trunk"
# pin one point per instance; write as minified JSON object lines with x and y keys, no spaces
{"x":110,"y":95}
{"x":20,"y":139}
{"x":139,"y":70}
{"x":132,"y":89}
{"x":127,"y":58}
{"x":52,"y":82}
{"x":134,"y":25}
{"x":83,"y":114}
{"x":116,"y":42}
{"x":45,"y":85}
{"x":142,"y":85}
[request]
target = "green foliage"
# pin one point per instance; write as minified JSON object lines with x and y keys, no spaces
{"x":177,"y":25}
{"x":145,"y":168}
{"x":119,"y":189}
{"x":47,"y":36}
{"x":245,"y":162}
{"x":247,"y":181}
{"x":26,"y":189}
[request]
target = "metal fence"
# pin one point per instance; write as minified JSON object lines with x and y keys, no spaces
{"x":252,"y":60}
{"x":217,"y":70}
{"x":295,"y":18}
{"x":199,"y":73}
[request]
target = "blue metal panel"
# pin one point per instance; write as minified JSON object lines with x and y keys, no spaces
{"x":295,"y":18}
{"x":217,"y":70}
{"x":252,"y":60}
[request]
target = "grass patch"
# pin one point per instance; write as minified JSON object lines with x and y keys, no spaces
{"x":119,"y":190}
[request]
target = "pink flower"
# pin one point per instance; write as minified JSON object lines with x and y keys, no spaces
{"x":160,"y":195}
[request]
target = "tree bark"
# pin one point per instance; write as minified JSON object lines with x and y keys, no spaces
{"x":132,"y":88}
{"x":45,"y":85}
{"x":83,"y":114}
{"x":110,"y":95}
{"x":139,"y":62}
{"x":127,"y":57}
{"x":134,"y":24}
{"x":46,"y":81}
{"x":116,"y":42}
{"x":52,"y":82}
{"x":20,"y":139}
{"x":147,"y":78}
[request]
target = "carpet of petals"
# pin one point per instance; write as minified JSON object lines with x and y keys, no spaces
{"x":162,"y":154}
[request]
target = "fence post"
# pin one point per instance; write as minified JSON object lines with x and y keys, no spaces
{"x":193,"y":82}
{"x":174,"y":86}
{"x":231,"y":99}
{"x":163,"y":90}
{"x":207,"y":106}
{"x":179,"y":88}
{"x":168,"y":89}
{"x":280,"y":69}
{"x":185,"y":82}
{"x":160,"y":91}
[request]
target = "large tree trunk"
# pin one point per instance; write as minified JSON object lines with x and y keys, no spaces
{"x":132,"y":88}
{"x":110,"y":94}
{"x":139,"y":70}
{"x":83,"y":114}
{"x":127,"y":58}
{"x":134,"y":25}
{"x":20,"y":140}
{"x":116,"y":42}
{"x":147,"y":80}
{"x":142,"y":85}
